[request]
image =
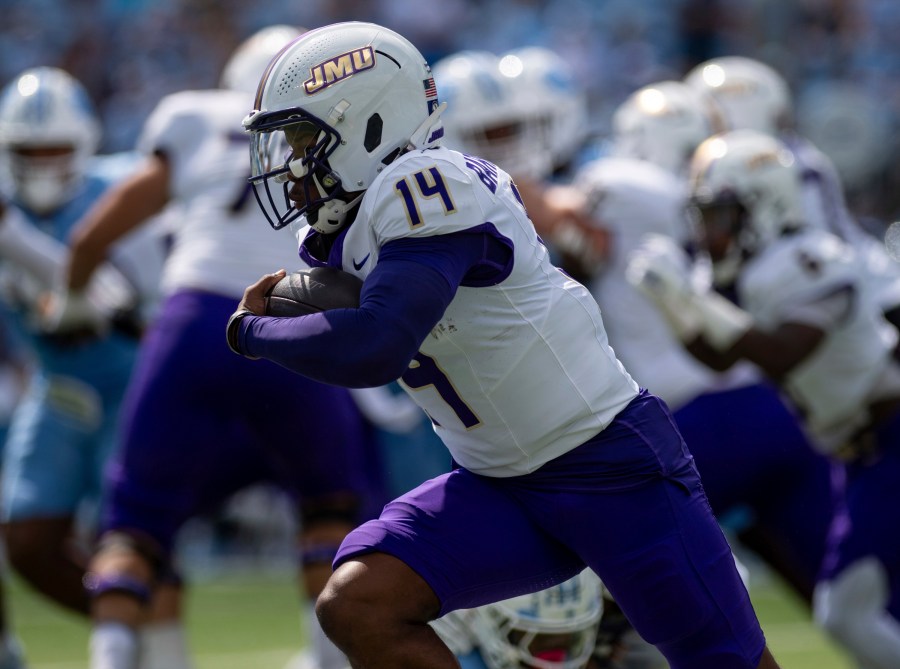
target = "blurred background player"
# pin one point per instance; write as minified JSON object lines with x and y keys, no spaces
{"x":753,"y":95}
{"x":663,"y":123}
{"x":762,"y":477}
{"x":198,"y":422}
{"x":63,"y":429}
{"x":806,"y":316}
{"x":763,"y":480}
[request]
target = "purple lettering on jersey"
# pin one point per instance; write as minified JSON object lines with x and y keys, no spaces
{"x":486,"y":171}
{"x":431,"y":183}
{"x":424,"y":372}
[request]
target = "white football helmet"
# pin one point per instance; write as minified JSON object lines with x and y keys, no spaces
{"x":249,"y":60}
{"x":484,"y":116}
{"x":752,"y":95}
{"x":333,"y":109}
{"x":548,"y":90}
{"x":555,"y":628}
{"x":746,"y":187}
{"x":663,"y":123}
{"x":48,"y":131}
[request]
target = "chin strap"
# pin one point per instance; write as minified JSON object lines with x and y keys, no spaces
{"x":333,"y":214}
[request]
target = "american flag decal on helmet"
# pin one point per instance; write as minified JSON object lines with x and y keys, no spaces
{"x":430,"y":88}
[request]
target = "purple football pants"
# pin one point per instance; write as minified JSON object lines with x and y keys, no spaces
{"x":867,"y":495}
{"x":628,"y":503}
{"x":199,"y":423}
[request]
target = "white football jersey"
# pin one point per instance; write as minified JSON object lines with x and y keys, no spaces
{"x":834,"y":385}
{"x":222,"y":242}
{"x":634,"y":198}
{"x":516,"y":373}
{"x":826,"y":208}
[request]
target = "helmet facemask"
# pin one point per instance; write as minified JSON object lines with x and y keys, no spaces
{"x":44,"y":178}
{"x":555,"y":628}
{"x":722,"y":232}
{"x":541,"y":649}
{"x":289,"y":156}
{"x":48,"y":132}
{"x":749,"y":187}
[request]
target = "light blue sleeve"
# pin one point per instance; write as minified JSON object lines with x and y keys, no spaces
{"x":471,"y":660}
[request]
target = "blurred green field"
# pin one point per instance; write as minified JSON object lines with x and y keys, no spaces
{"x":253,"y":622}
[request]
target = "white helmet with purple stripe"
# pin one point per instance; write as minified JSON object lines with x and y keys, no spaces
{"x":332,"y":111}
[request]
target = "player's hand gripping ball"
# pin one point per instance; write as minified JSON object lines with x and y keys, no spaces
{"x":299,"y":293}
{"x":308,"y":291}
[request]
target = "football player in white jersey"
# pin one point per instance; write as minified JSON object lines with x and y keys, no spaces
{"x":755,"y":96}
{"x":663,"y":123}
{"x":807,"y":317}
{"x":195,"y":426}
{"x":461,"y":302}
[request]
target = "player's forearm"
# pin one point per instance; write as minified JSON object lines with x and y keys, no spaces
{"x":710,"y":356}
{"x":342,"y":347}
{"x":400,"y":304}
{"x":122,"y":209}
{"x":776,"y":353}
{"x":779,"y":352}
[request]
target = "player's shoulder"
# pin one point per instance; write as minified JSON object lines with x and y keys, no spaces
{"x":631,"y":180}
{"x":634,"y":197}
{"x":424,"y":193}
{"x":197,"y":110}
{"x":448,"y":163}
{"x":806,"y":259}
{"x":201,"y":102}
{"x":184,"y":120}
{"x":630,"y":172}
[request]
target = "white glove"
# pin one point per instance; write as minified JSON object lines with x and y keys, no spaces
{"x":661,"y":270}
{"x":107,"y":295}
{"x":111,"y":291}
{"x":71,"y":311}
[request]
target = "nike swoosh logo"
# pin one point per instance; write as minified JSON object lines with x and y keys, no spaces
{"x":358,"y":265}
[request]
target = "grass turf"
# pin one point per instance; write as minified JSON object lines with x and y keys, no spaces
{"x":238,"y":621}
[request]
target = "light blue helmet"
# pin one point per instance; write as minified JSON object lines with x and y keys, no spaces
{"x":554,"y":628}
{"x":48,"y":131}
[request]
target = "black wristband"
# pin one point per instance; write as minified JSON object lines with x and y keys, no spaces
{"x":233,"y":331}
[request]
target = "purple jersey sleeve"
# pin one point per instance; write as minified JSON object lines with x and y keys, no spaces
{"x":401,"y":301}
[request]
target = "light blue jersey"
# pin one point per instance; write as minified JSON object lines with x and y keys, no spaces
{"x":63,"y":428}
{"x":471,"y":660}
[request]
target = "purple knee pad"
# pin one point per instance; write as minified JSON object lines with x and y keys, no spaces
{"x":98,"y":585}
